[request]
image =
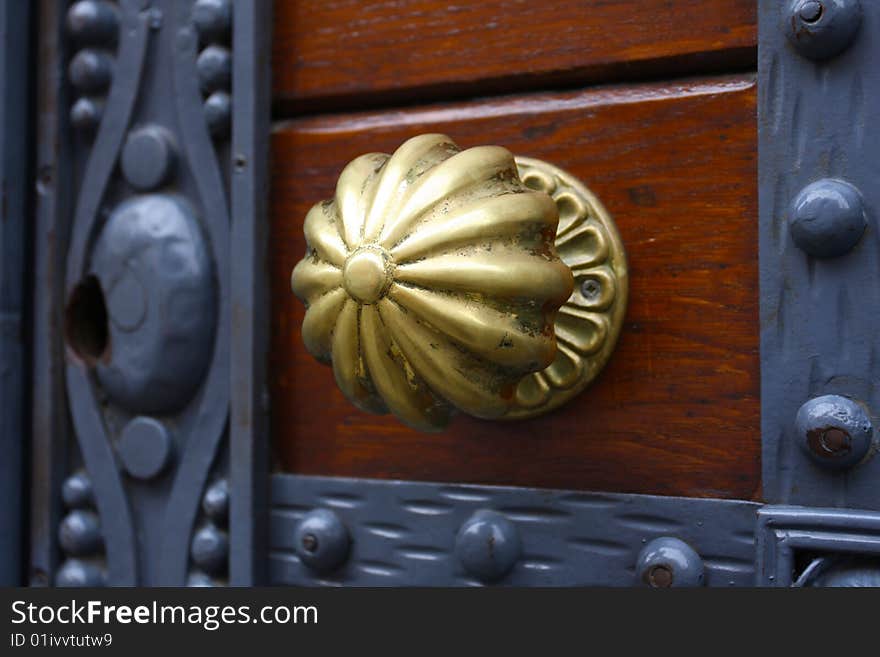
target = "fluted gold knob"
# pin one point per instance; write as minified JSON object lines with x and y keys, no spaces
{"x":432,"y":281}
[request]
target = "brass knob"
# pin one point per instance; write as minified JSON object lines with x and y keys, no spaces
{"x":432,"y":282}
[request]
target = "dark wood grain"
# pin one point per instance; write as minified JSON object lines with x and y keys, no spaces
{"x":676,"y":412}
{"x":327,"y":53}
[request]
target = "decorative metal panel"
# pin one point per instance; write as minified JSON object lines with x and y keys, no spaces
{"x":819,"y":252}
{"x":790,"y":537}
{"x":151,"y":155}
{"x":333,"y":531}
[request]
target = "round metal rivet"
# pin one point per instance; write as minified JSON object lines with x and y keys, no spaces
{"x":80,"y":533}
{"x":667,"y":561}
{"x":488,"y":545}
{"x":214,"y":67}
{"x":210,"y":549}
{"x":144,"y":447}
{"x":215,"y":502}
{"x":827,"y":218}
{"x":147,"y":157}
{"x":834,"y":431}
{"x":91,"y":71}
{"x":212,"y":19}
{"x":74,"y":572}
{"x":321,"y":540}
{"x":93,"y":22}
{"x":820,"y":29}
{"x":218,"y":114}
{"x":77,"y":491}
{"x":86,"y":113}
{"x":811,"y":11}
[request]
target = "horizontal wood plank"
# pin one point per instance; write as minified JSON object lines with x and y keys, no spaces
{"x":329,"y":53}
{"x":677,"y":410}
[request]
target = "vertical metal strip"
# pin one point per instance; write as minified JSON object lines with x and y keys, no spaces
{"x":15,"y":114}
{"x":819,"y":250}
{"x":50,"y":429}
{"x":248,"y":431}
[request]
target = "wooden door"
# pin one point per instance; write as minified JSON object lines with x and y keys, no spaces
{"x":652,"y":105}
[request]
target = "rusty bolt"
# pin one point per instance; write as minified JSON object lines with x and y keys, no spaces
{"x":811,"y":11}
{"x":660,"y":577}
{"x":668,"y":562}
{"x":834,"y":431}
{"x":836,"y":441}
{"x":310,"y":542}
{"x":322,"y":540}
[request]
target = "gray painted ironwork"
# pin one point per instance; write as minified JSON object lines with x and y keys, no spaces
{"x":820,"y":307}
{"x":249,"y":402}
{"x":15,"y":117}
{"x":786,"y":534}
{"x":404,"y":533}
{"x":186,"y":117}
{"x":140,"y":256}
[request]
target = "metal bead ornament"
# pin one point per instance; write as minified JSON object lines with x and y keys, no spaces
{"x":669,"y":562}
{"x":488,"y":545}
{"x":834,"y":431}
{"x":827,"y":218}
{"x":322,"y":541}
{"x":821,"y":29}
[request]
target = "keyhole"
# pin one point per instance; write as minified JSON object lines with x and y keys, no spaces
{"x":85,"y":321}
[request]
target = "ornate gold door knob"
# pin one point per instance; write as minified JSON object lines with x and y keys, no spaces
{"x":441,"y":279}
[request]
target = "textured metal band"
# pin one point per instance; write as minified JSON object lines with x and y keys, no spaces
{"x":424,"y":534}
{"x":819,"y":252}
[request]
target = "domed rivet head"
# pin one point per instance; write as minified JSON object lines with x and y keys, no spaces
{"x":212,"y":19}
{"x":214,"y":67}
{"x":667,"y":561}
{"x":488,"y":545}
{"x":93,"y":22}
{"x":144,"y":447}
{"x":820,"y":29}
{"x":834,"y":431}
{"x":91,"y":71}
{"x":80,"y":533}
{"x":810,"y":11}
{"x":215,"y":502}
{"x":210,"y":549}
{"x":77,"y":491}
{"x":322,"y":541}
{"x":827,"y":218}
{"x":86,"y":113}
{"x":218,"y":114}
{"x":147,"y":157}
{"x":74,"y":572}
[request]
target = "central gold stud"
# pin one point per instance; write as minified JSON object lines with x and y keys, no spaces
{"x":367,"y":274}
